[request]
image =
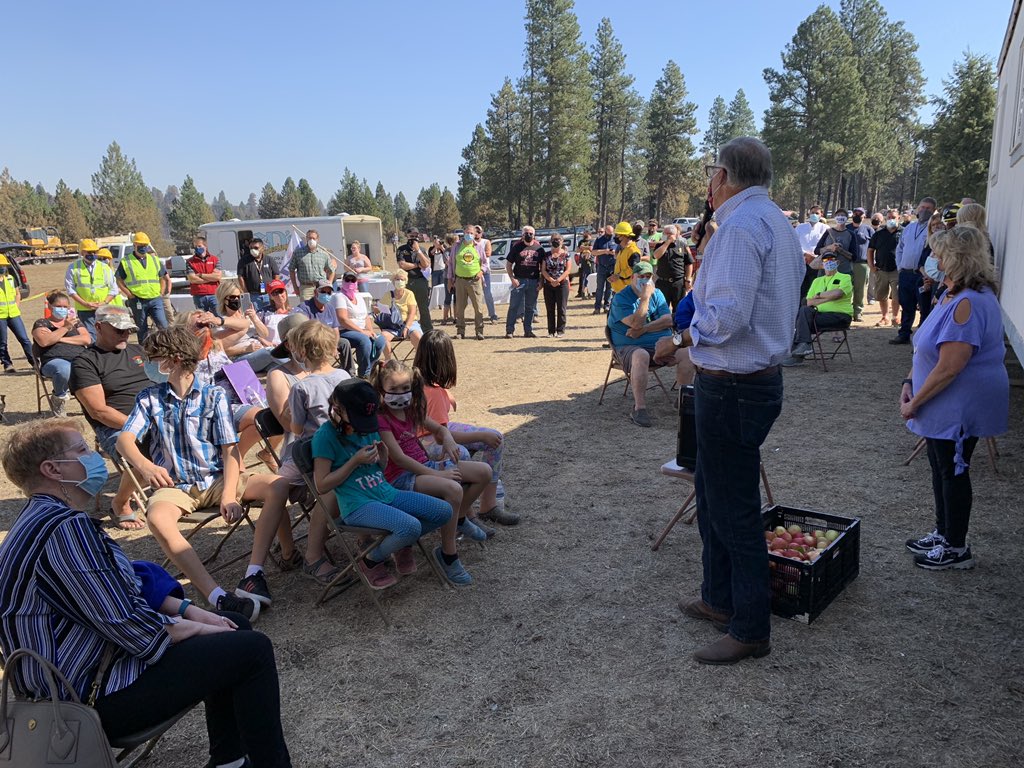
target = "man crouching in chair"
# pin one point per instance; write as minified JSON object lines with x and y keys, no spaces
{"x":829,"y":307}
{"x":639,"y":317}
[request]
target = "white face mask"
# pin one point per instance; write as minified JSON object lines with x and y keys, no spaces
{"x":830,"y":265}
{"x":398,"y":400}
{"x":841,"y":221}
{"x":311,"y":243}
{"x":255,"y":252}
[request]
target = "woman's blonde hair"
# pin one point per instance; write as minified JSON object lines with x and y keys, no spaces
{"x":963,"y":251}
{"x":313,"y":342}
{"x":30,"y":445}
{"x":226,"y":287}
{"x":973,"y":215}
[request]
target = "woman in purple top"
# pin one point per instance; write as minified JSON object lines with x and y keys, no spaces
{"x":958,"y":390}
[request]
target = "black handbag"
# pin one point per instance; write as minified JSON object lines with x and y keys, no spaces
{"x":686,"y":437}
{"x":46,"y":732}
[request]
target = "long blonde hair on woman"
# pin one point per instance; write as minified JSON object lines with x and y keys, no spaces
{"x":964,"y":253}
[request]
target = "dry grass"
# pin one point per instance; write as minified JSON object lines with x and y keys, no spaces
{"x":569,"y":649}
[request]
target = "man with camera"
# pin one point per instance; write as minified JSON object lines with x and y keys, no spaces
{"x":413,"y":259}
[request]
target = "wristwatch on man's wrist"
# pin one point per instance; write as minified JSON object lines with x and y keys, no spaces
{"x":677,"y":338}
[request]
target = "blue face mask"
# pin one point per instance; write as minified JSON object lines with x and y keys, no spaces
{"x":813,"y":218}
{"x":59,"y":313}
{"x":96,"y":472}
{"x":200,"y":251}
{"x":154,"y":373}
{"x":830,"y":265}
{"x":641,"y":282}
{"x":467,"y":238}
{"x":90,"y":256}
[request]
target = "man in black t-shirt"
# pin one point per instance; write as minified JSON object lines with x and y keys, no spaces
{"x":675,"y":266}
{"x":523,"y":267}
{"x":106,"y":378}
{"x":255,"y":275}
{"x":882,"y":263}
{"x":413,"y":258}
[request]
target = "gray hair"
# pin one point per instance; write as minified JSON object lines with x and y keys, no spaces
{"x":670,"y":228}
{"x":747,"y":161}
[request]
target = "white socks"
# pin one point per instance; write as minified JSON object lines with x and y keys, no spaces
{"x":253,"y":569}
{"x":216,"y":595}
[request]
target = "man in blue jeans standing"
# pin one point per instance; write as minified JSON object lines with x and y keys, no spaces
{"x":604,"y":253}
{"x":745,"y":306}
{"x":908,"y":262}
{"x":523,"y":267}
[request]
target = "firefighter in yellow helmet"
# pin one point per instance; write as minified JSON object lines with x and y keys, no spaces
{"x":142,"y":278}
{"x":90,"y":284}
{"x":629,"y":252}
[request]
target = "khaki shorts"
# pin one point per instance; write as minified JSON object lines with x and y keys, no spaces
{"x":887,"y":283}
{"x":195,"y":498}
{"x":626,"y":356}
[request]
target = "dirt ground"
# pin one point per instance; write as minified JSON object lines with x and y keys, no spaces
{"x":569,"y":649}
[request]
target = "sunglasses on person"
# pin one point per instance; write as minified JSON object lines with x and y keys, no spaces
{"x":349,"y":278}
{"x":326,"y":291}
{"x":278,"y":292}
{"x":234,"y":296}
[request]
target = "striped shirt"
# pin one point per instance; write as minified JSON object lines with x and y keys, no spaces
{"x":66,"y":591}
{"x":186,"y":434}
{"x":748,"y":289}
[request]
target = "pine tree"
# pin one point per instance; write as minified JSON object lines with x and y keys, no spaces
{"x":291,"y":203}
{"x":228,"y":213}
{"x":85,"y":206}
{"x":503,"y":176}
{"x":670,"y":166}
{"x":21,"y":206}
{"x":471,"y":173}
{"x":813,"y":126}
{"x":556,"y":86}
{"x":269,"y":206}
{"x":612,"y":89}
{"x":385,"y":210}
{"x":309,"y":205}
{"x":220,"y":202}
{"x":353,"y":196}
{"x":403,"y":212}
{"x":122,"y":202}
{"x":251,"y":208}
{"x":447,"y":217}
{"x":426,"y":207}
{"x":715,"y":135}
{"x":68,"y":216}
{"x":188,"y":213}
{"x":739,"y":118}
{"x":959,"y":143}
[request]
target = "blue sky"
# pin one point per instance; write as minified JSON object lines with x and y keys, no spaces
{"x":239,"y":93}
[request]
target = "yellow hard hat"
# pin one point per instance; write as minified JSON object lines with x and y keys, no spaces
{"x":623,"y":228}
{"x":88,"y":245}
{"x":141,"y":238}
{"x":3,"y":261}
{"x":104,"y":253}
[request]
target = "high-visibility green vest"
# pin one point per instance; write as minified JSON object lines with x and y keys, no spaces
{"x":93,"y":287}
{"x":467,"y":261}
{"x":142,"y":281}
{"x":8,"y":298}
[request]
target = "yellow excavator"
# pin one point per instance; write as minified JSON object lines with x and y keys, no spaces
{"x":46,"y":245}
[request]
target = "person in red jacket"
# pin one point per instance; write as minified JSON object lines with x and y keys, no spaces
{"x":203,"y":274}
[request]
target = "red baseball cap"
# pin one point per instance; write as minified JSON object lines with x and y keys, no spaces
{"x":275,"y":285}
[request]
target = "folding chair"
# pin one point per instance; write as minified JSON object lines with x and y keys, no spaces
{"x":42,"y":388}
{"x":268,"y":426}
{"x":615,"y":363}
{"x":990,"y":445}
{"x":688,"y":511}
{"x":819,"y":351}
{"x":399,"y":341}
{"x":146,"y":739}
{"x":302,"y":455}
{"x":137,"y":498}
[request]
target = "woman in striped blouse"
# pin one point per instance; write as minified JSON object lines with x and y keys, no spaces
{"x":68,"y":592}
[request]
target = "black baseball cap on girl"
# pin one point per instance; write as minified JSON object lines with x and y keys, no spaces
{"x":361,"y":403}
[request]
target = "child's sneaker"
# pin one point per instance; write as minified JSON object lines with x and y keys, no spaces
{"x":255,"y":587}
{"x":379,"y":576}
{"x":472,"y":531}
{"x":455,"y":573}
{"x":405,"y":563}
{"x":243,"y":605}
{"x":491,"y":532}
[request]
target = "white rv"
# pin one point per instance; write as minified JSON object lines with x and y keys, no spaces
{"x":226,"y":238}
{"x":1005,"y":200}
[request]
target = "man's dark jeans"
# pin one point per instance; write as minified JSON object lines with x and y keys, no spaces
{"x":809,"y":317}
{"x":733,"y":418}
{"x":910,"y":282}
{"x":603,"y":289}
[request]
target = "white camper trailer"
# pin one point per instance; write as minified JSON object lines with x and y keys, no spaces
{"x":225,"y":238}
{"x":1005,"y":200}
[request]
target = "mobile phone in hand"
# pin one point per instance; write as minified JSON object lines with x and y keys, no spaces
{"x":246,"y":303}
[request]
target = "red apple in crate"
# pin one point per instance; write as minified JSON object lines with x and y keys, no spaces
{"x":778,"y":544}
{"x":768,"y":535}
{"x":808,"y":540}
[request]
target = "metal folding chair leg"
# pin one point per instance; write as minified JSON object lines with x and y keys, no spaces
{"x":990,"y":446}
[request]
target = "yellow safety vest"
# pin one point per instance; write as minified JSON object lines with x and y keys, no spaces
{"x":142,"y":281}
{"x":8,"y":298}
{"x":91,"y":287}
{"x":467,"y":261}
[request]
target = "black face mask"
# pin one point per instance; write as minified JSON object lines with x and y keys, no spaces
{"x":233,"y":303}
{"x":527,"y":238}
{"x":857,"y":219}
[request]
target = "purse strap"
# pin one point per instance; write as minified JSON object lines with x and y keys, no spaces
{"x":105,"y":661}
{"x":50,"y":672}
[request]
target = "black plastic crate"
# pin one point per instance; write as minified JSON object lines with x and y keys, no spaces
{"x":802,"y":590}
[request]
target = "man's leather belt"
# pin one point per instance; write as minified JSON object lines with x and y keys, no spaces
{"x":729,"y":375}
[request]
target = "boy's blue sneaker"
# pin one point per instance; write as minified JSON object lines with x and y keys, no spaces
{"x":471,"y":530}
{"x":455,"y":573}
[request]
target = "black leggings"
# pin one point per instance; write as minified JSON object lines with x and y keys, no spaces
{"x":953,"y":494}
{"x":556,"y":300}
{"x":233,"y":673}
